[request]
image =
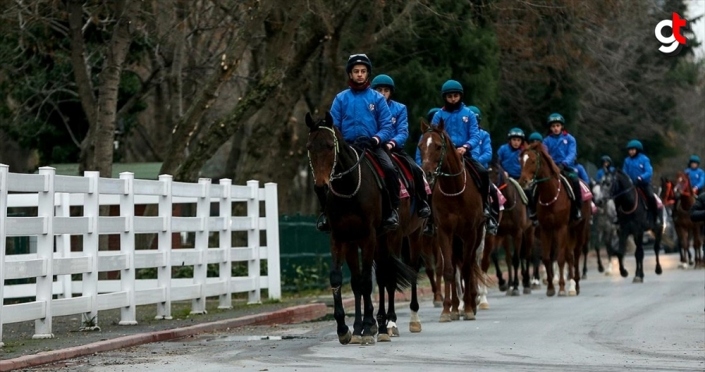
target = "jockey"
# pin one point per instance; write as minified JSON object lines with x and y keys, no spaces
{"x":562,"y":148}
{"x":461,"y":125}
{"x":483,"y":151}
{"x":638,"y":167}
{"x":363,"y":117}
{"x":508,"y":154}
{"x":385,"y":86}
{"x":696,"y":174}
{"x":606,"y":168}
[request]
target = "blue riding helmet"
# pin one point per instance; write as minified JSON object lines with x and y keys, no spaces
{"x":477,"y":112}
{"x":606,"y":158}
{"x":694,"y":159}
{"x":635,"y":144}
{"x":516,"y":132}
{"x":382,"y":81}
{"x":358,"y":59}
{"x":555,"y":117}
{"x":536,"y":136}
{"x":431,"y":113}
{"x":451,"y":86}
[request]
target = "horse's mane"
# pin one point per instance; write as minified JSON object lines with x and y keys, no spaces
{"x":541,"y":149}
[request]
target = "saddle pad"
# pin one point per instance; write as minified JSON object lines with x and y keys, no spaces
{"x":522,"y":194}
{"x":426,"y":186}
{"x":500,"y":197}
{"x":403,"y":191}
{"x":403,"y":165}
{"x":594,"y":207}
{"x":568,"y":187}
{"x":587,"y":194}
{"x":659,"y":202}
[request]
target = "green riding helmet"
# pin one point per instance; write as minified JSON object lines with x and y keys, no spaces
{"x":431,"y":113}
{"x":477,"y":112}
{"x":516,"y":133}
{"x":451,"y":86}
{"x":382,"y":81}
{"x":606,"y":158}
{"x":635,"y":144}
{"x":536,"y":136}
{"x":694,"y":159}
{"x":555,"y":118}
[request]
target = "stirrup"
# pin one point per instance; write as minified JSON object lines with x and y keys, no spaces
{"x":322,"y":223}
{"x":391,"y":222}
{"x":424,"y":210}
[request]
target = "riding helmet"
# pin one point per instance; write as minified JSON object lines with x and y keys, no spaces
{"x":635,"y":144}
{"x":555,"y":117}
{"x":382,"y":81}
{"x":451,"y":86}
{"x":694,"y":159}
{"x":358,"y":59}
{"x":477,"y":112}
{"x":516,"y":132}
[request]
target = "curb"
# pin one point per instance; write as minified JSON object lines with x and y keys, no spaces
{"x":293,"y":314}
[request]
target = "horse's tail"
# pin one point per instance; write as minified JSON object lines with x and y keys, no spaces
{"x":397,"y":274}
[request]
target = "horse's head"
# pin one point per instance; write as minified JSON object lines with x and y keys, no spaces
{"x":496,"y":173}
{"x":536,"y":165}
{"x":323,"y":148}
{"x":667,"y":192}
{"x":682,"y":185}
{"x":602,"y":191}
{"x":434,"y":146}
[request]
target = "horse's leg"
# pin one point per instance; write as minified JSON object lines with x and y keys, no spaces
{"x":444,"y":242}
{"x":689,"y":234}
{"x":623,"y":234}
{"x":439,"y":262}
{"x":547,"y":258}
{"x":683,"y":242}
{"x":658,"y":235}
{"x":516,"y":242}
{"x":584,"y":252}
{"x":600,"y":233}
{"x":564,"y":254}
{"x":336,"y":283}
{"x":536,"y":263}
{"x":490,"y":244}
{"x":381,"y":275}
{"x":639,"y":255}
{"x":458,"y":287}
{"x":415,"y":250}
{"x":526,"y":244}
{"x":368,"y":255}
{"x":498,"y":270}
{"x":471,"y":271}
{"x":352,"y":258}
{"x":697,"y":246}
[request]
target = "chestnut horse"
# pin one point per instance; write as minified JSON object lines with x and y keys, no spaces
{"x":561,"y":238}
{"x":457,"y":213}
{"x":685,"y":228}
{"x":517,"y":229}
{"x":353,"y":207}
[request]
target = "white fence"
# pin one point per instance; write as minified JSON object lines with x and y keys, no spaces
{"x":54,"y":262}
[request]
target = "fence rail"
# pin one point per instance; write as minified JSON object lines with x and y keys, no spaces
{"x":51,"y":197}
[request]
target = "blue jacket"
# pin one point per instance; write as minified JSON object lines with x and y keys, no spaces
{"x":483,"y":152}
{"x":418,"y":152}
{"x":697,"y":177}
{"x":362,"y":114}
{"x":562,"y":148}
{"x":509,"y":160}
{"x":638,"y":166}
{"x":601,"y":173}
{"x":582,"y":173}
{"x":400,"y":122}
{"x":461,"y":126}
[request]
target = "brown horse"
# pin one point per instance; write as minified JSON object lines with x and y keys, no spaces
{"x":457,"y":213}
{"x":353,"y":207}
{"x":561,"y":238}
{"x":516,"y":228}
{"x":685,"y":228}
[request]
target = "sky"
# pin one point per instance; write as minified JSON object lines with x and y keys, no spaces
{"x":697,"y":8}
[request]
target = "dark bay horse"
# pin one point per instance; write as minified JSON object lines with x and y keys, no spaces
{"x":516,"y":229}
{"x":353,"y":207}
{"x":561,"y":238}
{"x":457,"y":213}
{"x":633,"y":220}
{"x":685,"y":228}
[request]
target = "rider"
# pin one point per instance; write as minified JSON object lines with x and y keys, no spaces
{"x":562,"y":148}
{"x":508,"y":154}
{"x":385,"y":86}
{"x":483,"y":151}
{"x":461,"y":126}
{"x":362,"y":115}
{"x":638,"y":167}
{"x":606,"y":168}
{"x":696,"y":174}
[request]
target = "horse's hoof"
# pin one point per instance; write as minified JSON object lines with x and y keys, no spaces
{"x":509,"y":292}
{"x":600,"y":269}
{"x":469,"y":315}
{"x":562,"y":293}
{"x":584,"y":276}
{"x":572,"y":293}
{"x":624,"y":273}
{"x":437,"y":303}
{"x":346,"y":338}
{"x":527,"y":290}
{"x":455,"y":315}
{"x":374,"y":329}
{"x":383,"y":337}
{"x":658,"y":270}
{"x":638,"y":280}
{"x":503,"y":287}
{"x":550,"y":292}
{"x":393,"y":331}
{"x":368,"y":340}
{"x":415,"y":327}
{"x":356,"y":340}
{"x":445,"y":318}
{"x":515,"y":292}
{"x":484,"y":306}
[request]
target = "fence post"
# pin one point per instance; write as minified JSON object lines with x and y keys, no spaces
{"x":91,"y":242}
{"x":200,"y":269}
{"x":253,"y":267}
{"x":271,"y":206}
{"x":128,"y":314}
{"x":225,"y":269}
{"x":45,"y":250}
{"x":63,"y":243}
{"x":3,"y":217}
{"x":164,"y":246}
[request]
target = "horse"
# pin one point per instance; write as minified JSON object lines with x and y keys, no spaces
{"x":458,"y":216}
{"x":685,"y":228}
{"x":516,"y":227}
{"x":353,"y":207}
{"x":558,"y":233}
{"x":605,"y":223}
{"x":632,"y":218}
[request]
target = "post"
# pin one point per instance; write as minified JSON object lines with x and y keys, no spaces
{"x":91,"y":242}
{"x":200,"y":269}
{"x":3,"y":217}
{"x":253,"y":241}
{"x":164,"y":246}
{"x":271,"y":206}
{"x":45,"y":251}
{"x":63,"y":243}
{"x":225,"y":235}
{"x":128,"y":314}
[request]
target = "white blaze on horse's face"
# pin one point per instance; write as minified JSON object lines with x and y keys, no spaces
{"x":429,"y":141}
{"x":524,"y":159}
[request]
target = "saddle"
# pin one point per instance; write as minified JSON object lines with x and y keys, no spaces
{"x":474,"y":174}
{"x":522,"y":194}
{"x":373,"y":163}
{"x":403,"y":166}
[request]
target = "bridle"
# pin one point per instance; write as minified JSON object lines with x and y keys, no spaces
{"x":624,"y":192}
{"x":334,"y":176}
{"x":535,"y":181}
{"x":438,"y":173}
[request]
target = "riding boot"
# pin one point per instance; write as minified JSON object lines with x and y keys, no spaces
{"x":423,"y":209}
{"x":531,"y":206}
{"x":391,"y":219}
{"x":429,"y":229}
{"x":485,"y":191}
{"x":322,"y":221}
{"x":493,"y":222}
{"x":578,"y":198}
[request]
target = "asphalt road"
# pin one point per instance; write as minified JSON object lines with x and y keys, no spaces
{"x":613,"y":325}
